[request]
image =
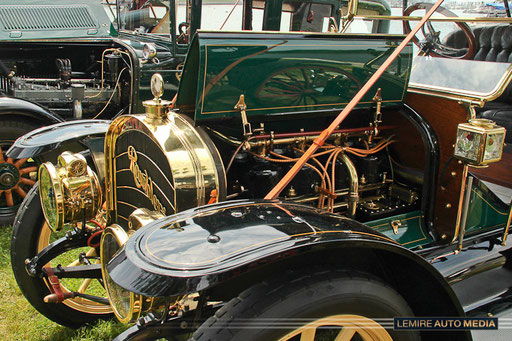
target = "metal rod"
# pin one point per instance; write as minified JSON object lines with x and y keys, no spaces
{"x":465,"y":209}
{"x":344,"y":113}
{"x":507,"y":227}
{"x":436,"y":19}
{"x":461,"y":201}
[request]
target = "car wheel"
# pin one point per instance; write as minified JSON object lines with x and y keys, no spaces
{"x":321,"y":305}
{"x":31,"y":235}
{"x":16,"y":176}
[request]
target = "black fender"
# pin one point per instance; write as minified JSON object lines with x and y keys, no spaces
{"x":231,"y":245}
{"x":18,"y":108}
{"x":57,"y":136}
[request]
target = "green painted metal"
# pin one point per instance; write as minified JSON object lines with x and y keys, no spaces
{"x":34,"y":19}
{"x":486,"y":211}
{"x":287,"y":73}
{"x":411,"y":232}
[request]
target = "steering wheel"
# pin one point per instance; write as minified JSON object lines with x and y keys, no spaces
{"x":432,"y":40}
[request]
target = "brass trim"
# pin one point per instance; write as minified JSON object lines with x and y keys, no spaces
{"x":141,"y":217}
{"x":353,"y":194}
{"x":387,"y":223}
{"x":461,"y":98}
{"x":136,"y":301}
{"x":461,"y":202}
{"x":438,"y":19}
{"x":196,"y":155}
{"x":58,"y":191}
{"x":488,"y":203}
{"x":76,"y":191}
{"x":507,"y":227}
{"x":395,"y":224}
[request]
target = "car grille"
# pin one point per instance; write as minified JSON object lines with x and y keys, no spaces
{"x":24,"y":18}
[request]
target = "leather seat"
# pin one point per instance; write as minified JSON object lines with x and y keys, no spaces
{"x":494,"y":43}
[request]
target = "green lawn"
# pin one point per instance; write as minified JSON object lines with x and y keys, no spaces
{"x":19,"y":321}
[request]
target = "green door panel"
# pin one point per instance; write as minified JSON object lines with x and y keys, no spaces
{"x":410,"y":232}
{"x":283,"y":73}
{"x":486,"y":211}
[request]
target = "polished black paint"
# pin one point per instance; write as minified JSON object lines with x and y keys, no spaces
{"x":432,"y":155}
{"x":204,"y":247}
{"x":480,"y":274}
{"x":23,"y":109}
{"x":49,"y":138}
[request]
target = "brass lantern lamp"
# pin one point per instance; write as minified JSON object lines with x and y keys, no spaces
{"x":479,"y":142}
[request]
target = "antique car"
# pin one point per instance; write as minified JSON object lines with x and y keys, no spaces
{"x":93,"y":59}
{"x":73,"y":60}
{"x":232,"y":212}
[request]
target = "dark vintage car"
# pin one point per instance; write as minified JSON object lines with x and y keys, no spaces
{"x":73,"y":60}
{"x":94,"y":59}
{"x":233,"y":213}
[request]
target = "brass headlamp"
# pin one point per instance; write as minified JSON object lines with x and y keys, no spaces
{"x":70,"y":191}
{"x":127,"y":306}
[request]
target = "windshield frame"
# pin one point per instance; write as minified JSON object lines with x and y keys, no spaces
{"x":468,"y":95}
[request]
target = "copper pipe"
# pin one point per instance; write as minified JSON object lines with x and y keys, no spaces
{"x":344,"y":113}
{"x":317,"y":133}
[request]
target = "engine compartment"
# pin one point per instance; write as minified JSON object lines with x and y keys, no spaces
{"x":73,"y":80}
{"x":357,"y":173}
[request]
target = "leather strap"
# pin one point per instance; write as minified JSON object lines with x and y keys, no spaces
{"x":54,"y":284}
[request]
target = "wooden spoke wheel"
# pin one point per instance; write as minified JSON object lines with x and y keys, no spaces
{"x":16,"y":176}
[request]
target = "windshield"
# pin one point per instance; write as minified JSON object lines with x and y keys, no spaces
{"x":461,"y":46}
{"x":145,"y":16}
{"x":472,"y":78}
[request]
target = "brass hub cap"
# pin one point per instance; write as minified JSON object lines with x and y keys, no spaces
{"x":340,"y":328}
{"x":13,"y":175}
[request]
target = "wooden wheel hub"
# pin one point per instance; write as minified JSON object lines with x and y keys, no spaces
{"x":12,"y":178}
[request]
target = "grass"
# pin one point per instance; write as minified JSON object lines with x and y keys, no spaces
{"x":20,"y":321}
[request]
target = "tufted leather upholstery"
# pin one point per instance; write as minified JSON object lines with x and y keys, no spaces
{"x":494,"y":43}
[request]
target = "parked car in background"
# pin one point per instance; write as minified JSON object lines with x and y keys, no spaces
{"x":233,"y":213}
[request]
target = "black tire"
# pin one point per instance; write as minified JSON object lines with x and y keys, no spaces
{"x":26,"y":232}
{"x":10,"y":130}
{"x":301,"y":298}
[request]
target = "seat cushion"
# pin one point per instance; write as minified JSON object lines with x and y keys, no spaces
{"x":502,"y":116}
